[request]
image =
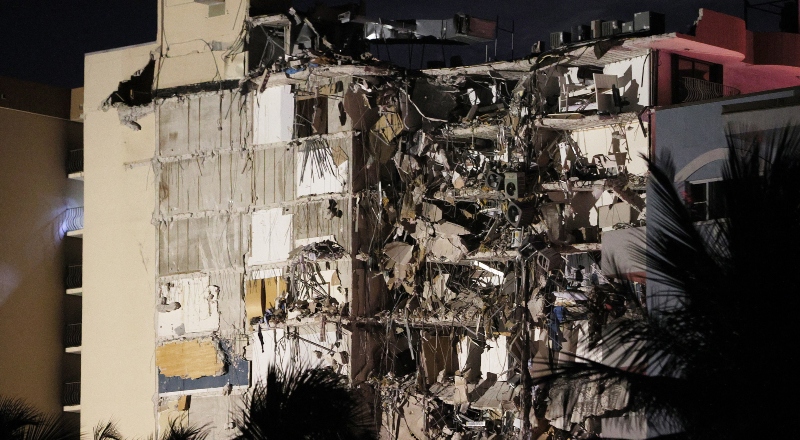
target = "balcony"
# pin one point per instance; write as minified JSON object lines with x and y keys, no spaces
{"x":72,"y":397}
{"x":74,"y":281}
{"x":75,"y":164}
{"x":72,"y":338}
{"x":74,"y":222}
{"x":694,"y":90}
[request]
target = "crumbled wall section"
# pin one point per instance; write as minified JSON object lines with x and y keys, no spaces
{"x":434,"y":236}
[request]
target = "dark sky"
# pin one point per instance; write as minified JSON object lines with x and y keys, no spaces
{"x":44,"y":40}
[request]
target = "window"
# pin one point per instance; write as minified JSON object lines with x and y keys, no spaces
{"x":705,"y":200}
{"x":695,"y":80}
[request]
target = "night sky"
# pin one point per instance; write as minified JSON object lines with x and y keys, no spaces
{"x":44,"y":40}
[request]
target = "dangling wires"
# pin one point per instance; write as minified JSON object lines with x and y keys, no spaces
{"x":319,"y":153}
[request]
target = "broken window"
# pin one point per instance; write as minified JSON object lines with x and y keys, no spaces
{"x":311,"y":116}
{"x":266,"y":45}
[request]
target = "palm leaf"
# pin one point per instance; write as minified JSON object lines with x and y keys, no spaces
{"x":177,"y":431}
{"x":303,"y":404}
{"x":713,"y":345}
{"x":15,"y":415}
{"x":107,"y":431}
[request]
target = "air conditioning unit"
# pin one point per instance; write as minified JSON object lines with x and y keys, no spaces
{"x":627,"y":27}
{"x":515,"y":185}
{"x":520,"y":214}
{"x":651,"y":22}
{"x":495,"y":181}
{"x":612,"y":27}
{"x":581,"y":32}
{"x":558,"y":39}
{"x":597,"y":28}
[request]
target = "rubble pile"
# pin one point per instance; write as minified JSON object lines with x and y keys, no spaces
{"x":442,"y":228}
{"x":477,"y":206}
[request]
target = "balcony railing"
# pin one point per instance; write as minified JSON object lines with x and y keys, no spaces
{"x":74,"y":219}
{"x":74,"y":276}
{"x":75,"y":161}
{"x":693,"y":90}
{"x":72,"y":393}
{"x":72,"y":336}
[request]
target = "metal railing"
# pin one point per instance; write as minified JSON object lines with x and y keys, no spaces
{"x":72,"y":393}
{"x":693,"y":90}
{"x":74,"y":218}
{"x":74,"y":276}
{"x":72,"y":336}
{"x":75,"y":161}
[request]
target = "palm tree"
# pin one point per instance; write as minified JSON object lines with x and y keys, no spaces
{"x":717,"y":352}
{"x":176,"y":431}
{"x":303,"y":403}
{"x":21,"y":421}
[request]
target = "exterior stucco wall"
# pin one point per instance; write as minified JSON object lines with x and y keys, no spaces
{"x":694,"y":138}
{"x":686,"y":132}
{"x":34,"y":194}
{"x":118,"y":371}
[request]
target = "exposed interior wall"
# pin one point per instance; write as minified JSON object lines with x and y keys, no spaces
{"x":118,"y":357}
{"x":35,"y":194}
{"x":199,"y":41}
{"x":201,"y":409}
{"x":634,"y":80}
{"x":624,"y":142}
{"x":310,"y":346}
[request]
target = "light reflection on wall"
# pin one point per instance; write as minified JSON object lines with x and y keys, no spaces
{"x":9,"y":280}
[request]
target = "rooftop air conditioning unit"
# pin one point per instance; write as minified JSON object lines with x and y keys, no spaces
{"x":558,"y":39}
{"x":597,"y":28}
{"x":612,"y":27}
{"x":581,"y":32}
{"x":651,"y":22}
{"x":627,"y":27}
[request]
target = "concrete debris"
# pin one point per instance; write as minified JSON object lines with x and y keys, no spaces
{"x":435,"y":234}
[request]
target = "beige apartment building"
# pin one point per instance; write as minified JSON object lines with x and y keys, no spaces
{"x":244,"y":208}
{"x":201,"y":197}
{"x":260,"y":190}
{"x":41,"y":194}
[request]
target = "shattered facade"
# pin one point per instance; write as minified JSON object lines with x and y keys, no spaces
{"x":434,"y":235}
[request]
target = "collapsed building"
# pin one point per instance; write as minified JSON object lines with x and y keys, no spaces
{"x":435,"y":236}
